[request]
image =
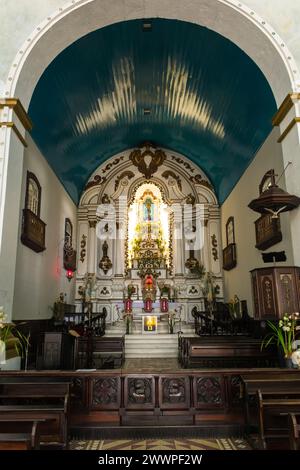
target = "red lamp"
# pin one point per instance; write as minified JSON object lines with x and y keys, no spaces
{"x":69,"y":274}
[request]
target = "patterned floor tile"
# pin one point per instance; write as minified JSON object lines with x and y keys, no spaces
{"x":162,"y":444}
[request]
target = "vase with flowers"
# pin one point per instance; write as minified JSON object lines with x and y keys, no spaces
{"x":12,"y":338}
{"x":128,"y":318}
{"x":283,"y":335}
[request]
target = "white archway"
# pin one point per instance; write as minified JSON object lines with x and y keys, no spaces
{"x":229,"y":18}
{"x":77,"y":18}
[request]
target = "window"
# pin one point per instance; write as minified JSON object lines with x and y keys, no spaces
{"x":33,"y":194}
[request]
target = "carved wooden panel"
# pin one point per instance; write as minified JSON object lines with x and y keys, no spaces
{"x":208,"y":392}
{"x":78,"y":392}
{"x":267,"y":231}
{"x":287,"y":296}
{"x":105,"y":393}
{"x":234,"y":390}
{"x":276,"y":291}
{"x":267,"y":295}
{"x":139,"y":392}
{"x":174,"y":392}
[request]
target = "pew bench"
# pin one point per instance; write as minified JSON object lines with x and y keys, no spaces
{"x":294,"y":430}
{"x":275,"y":404}
{"x":48,"y":401}
{"x":230,"y":351}
{"x":100,"y":352}
{"x":28,"y":433}
{"x":271,"y":381}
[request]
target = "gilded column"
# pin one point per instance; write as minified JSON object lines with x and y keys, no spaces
{"x":92,"y":247}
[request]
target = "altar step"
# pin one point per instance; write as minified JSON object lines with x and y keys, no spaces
{"x":118,"y":329}
{"x":152,"y":346}
{"x":156,"y":345}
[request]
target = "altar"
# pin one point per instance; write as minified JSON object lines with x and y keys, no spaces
{"x":138,"y":311}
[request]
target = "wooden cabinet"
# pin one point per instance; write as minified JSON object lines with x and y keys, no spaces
{"x":276,"y":291}
{"x":55,"y":351}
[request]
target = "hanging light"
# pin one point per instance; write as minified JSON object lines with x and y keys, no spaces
{"x":69,"y":274}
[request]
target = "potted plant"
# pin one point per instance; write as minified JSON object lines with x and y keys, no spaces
{"x":128,"y":320}
{"x":283,"y":335}
{"x":12,"y":339}
{"x":234,"y":306}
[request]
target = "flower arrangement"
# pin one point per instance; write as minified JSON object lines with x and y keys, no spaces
{"x":130,"y":290}
{"x":235,"y":308}
{"x":283,"y":334}
{"x":128,"y":318}
{"x":10,"y":333}
{"x":172,"y":319}
{"x":210,"y":290}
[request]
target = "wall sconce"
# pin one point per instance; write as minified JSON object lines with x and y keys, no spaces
{"x":69,"y":274}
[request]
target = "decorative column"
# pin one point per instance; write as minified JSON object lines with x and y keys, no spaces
{"x":14,"y":122}
{"x":178,"y":259}
{"x":121,"y":218}
{"x":288,"y":120}
{"x":92,"y":247}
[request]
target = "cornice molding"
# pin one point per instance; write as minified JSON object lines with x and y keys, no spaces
{"x":16,"y":131}
{"x":294,"y":121}
{"x":16,"y":105}
{"x":285,"y":107}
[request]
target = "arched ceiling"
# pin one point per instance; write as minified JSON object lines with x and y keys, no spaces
{"x":178,"y":85}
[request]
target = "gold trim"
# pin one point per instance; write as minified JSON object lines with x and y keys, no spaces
{"x":16,"y":105}
{"x":16,"y":131}
{"x":289,"y":127}
{"x":284,"y":108}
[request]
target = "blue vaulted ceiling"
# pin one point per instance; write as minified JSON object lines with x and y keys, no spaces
{"x":207,"y":99}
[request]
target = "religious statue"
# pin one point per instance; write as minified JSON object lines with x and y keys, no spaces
{"x":105,"y":263}
{"x":148,"y":210}
{"x":149,"y":288}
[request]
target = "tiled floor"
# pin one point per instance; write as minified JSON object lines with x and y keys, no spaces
{"x":162,"y":444}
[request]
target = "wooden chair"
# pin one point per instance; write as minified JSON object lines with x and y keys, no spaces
{"x":294,"y":430}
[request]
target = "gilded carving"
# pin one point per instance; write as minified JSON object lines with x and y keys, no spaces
{"x":147,"y":161}
{"x":95,"y":182}
{"x":126,"y":174}
{"x":197,"y":179}
{"x":110,"y":165}
{"x":170,"y":174}
{"x":214,"y":250}
{"x":82,"y":246}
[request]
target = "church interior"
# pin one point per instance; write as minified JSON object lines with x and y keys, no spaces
{"x":149,"y":225}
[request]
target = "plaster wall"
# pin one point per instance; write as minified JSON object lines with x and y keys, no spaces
{"x":40,"y":277}
{"x":238,"y":280}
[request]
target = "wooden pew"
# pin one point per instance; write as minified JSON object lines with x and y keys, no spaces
{"x":108,"y":351}
{"x":225,"y":351}
{"x":294,"y":430}
{"x":48,"y":400}
{"x":28,"y":433}
{"x":275,"y":403}
{"x":266,"y":381}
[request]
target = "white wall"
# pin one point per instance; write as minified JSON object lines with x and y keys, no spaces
{"x":238,"y":280}
{"x":40,"y":277}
